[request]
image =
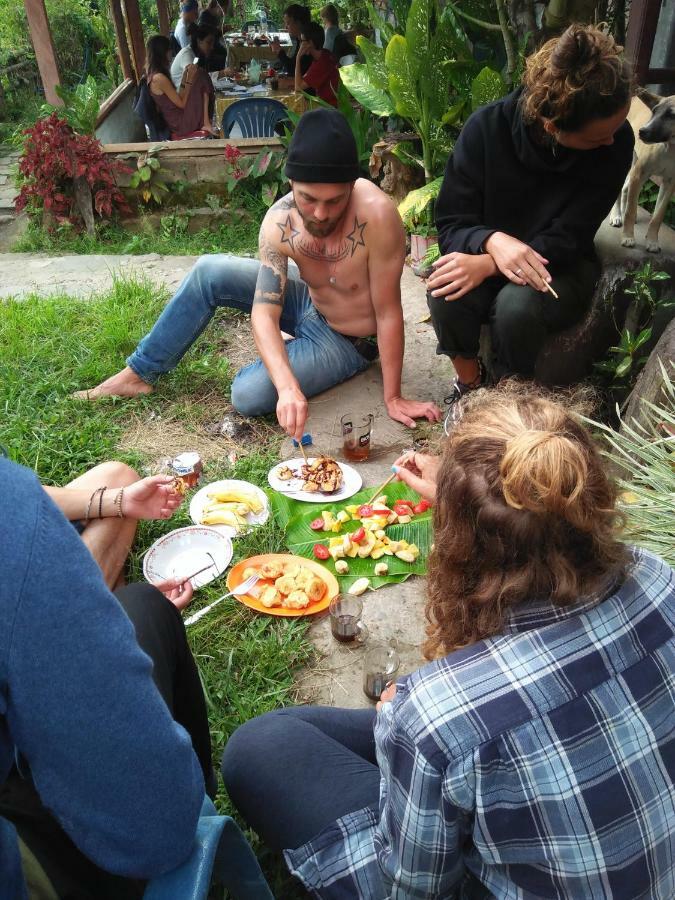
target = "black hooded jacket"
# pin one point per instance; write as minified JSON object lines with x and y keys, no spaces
{"x":499,"y":179}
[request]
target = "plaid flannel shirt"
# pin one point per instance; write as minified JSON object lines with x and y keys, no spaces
{"x":537,"y":764}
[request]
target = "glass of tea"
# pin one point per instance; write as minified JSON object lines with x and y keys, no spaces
{"x":380,"y":665}
{"x":345,"y":619}
{"x":356,"y":436}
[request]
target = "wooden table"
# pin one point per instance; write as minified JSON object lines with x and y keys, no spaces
{"x":295,"y":102}
{"x":241,"y":55}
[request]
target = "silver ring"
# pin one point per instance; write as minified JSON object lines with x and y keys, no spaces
{"x":519,"y":271}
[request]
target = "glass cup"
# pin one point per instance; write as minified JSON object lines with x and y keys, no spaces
{"x":345,"y":619}
{"x":356,"y":436}
{"x":380,"y":664}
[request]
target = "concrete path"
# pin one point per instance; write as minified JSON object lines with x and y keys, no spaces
{"x":22,"y":274}
{"x":392,"y":614}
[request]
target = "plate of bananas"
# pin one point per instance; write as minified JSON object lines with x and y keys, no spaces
{"x":230,"y":506}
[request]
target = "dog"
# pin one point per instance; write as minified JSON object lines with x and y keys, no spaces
{"x":654,"y":154}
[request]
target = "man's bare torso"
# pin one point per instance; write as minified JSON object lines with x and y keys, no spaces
{"x":335,"y":268}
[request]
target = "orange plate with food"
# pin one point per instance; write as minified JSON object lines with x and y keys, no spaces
{"x":288,"y":586}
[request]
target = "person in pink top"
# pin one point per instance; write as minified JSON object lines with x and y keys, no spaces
{"x":322,"y":76}
{"x":186,"y":110}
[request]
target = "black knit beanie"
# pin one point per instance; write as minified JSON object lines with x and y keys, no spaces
{"x":322,"y":149}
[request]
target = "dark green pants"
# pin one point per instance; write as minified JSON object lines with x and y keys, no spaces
{"x":520,"y":318}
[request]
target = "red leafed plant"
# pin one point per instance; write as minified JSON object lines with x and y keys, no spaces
{"x":58,"y":165}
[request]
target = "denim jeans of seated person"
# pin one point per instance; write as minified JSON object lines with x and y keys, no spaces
{"x":320,"y":357}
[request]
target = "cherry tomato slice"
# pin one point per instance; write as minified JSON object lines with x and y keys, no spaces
{"x":402,"y":509}
{"x":317,"y":524}
{"x":404,"y":502}
{"x":421,"y":507}
{"x":358,"y":535}
{"x":365,"y":511}
{"x":321,"y":551}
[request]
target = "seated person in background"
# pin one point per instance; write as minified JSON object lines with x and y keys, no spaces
{"x":105,"y":505}
{"x":186,"y":111}
{"x":189,"y":13}
{"x":212,"y":17}
{"x":329,"y":273}
{"x":322,"y":77}
{"x":529,"y":181}
{"x":330,"y":19}
{"x":202,"y":43}
{"x":534,"y":757}
{"x":104,"y":738}
{"x":295,"y":17}
{"x":344,"y":52}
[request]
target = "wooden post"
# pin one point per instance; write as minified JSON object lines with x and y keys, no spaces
{"x":135,"y":26}
{"x":642,"y":23}
{"x":41,"y":36}
{"x":164,"y":20}
{"x":122,"y":42}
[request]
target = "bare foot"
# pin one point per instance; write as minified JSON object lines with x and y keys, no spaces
{"x":124,"y":384}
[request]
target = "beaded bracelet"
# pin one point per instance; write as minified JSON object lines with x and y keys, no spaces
{"x":100,"y":501}
{"x":87,"y":515}
{"x":118,"y":503}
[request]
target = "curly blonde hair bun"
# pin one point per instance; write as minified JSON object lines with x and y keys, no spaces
{"x":576,"y":78}
{"x":524,"y":511}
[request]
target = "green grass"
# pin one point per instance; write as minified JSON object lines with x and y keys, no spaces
{"x":170,"y":239}
{"x":50,"y":347}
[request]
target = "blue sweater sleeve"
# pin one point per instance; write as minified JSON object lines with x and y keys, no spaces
{"x":106,"y":756}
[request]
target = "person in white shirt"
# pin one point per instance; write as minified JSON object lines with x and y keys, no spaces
{"x":201,"y":42}
{"x":189,"y":13}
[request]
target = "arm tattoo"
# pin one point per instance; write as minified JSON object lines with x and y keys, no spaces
{"x":286,"y":202}
{"x":268,"y":287}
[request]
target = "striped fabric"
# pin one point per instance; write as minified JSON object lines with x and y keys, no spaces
{"x":537,"y":764}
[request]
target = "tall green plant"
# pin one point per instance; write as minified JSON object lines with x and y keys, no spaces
{"x":645,"y":454}
{"x":426,"y":76}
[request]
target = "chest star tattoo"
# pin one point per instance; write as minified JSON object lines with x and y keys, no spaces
{"x":288,"y":232}
{"x":356,"y":234}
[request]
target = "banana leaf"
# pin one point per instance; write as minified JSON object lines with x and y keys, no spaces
{"x":374,"y":57}
{"x":402,"y":80}
{"x":357,"y":81}
{"x":295,"y":517}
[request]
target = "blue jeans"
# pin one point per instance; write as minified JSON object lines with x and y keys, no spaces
{"x":292,"y":772}
{"x":319,"y":357}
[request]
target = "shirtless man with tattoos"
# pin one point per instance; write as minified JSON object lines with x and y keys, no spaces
{"x":339,"y":298}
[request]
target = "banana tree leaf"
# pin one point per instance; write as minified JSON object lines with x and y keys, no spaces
{"x":416,"y":202}
{"x":374,"y":57}
{"x":300,"y":539}
{"x":419,"y":28}
{"x":487,"y":86}
{"x":357,"y":81}
{"x":402,"y":81}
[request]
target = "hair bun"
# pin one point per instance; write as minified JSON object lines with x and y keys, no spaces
{"x":545,"y":472}
{"x":575,"y":53}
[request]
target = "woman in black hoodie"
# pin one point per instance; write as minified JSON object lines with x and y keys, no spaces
{"x":531,"y":178}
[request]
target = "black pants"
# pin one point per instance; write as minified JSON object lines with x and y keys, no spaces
{"x":161,"y":634}
{"x":292,"y":772}
{"x":520,"y":317}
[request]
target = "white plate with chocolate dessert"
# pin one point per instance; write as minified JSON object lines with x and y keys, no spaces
{"x":319,"y":480}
